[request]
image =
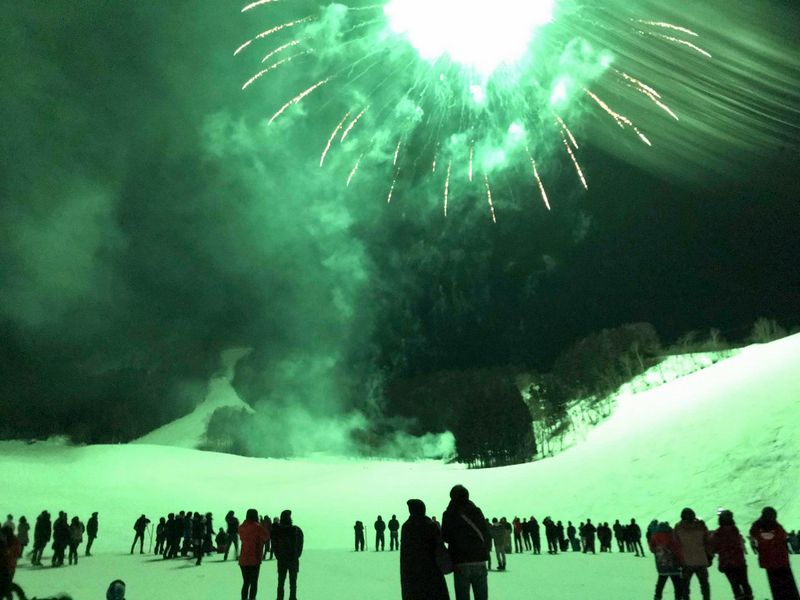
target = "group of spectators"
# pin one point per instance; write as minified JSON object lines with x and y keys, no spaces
{"x":66,"y":534}
{"x":463,"y":546}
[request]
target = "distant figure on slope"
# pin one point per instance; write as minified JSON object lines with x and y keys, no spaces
{"x":266,"y":523}
{"x":140,"y":526}
{"x":667,"y":553}
{"x":358,"y":529}
{"x":536,"y":537}
{"x":517,"y":524}
{"x":76,"y":530}
{"x":221,"y":542}
{"x":171,"y":537}
{"x":420,"y":575}
{"x":526,"y":533}
{"x":116,"y":590}
{"x":275,"y":523}
{"x":161,"y":536}
{"x":9,"y":523}
{"x":770,"y":541}
{"x":551,"y":535}
{"x":233,"y":537}
{"x":604,"y":537}
{"x":41,"y":536}
{"x":636,"y":538}
{"x":23,"y":530}
{"x":287,"y":542}
{"x":491,"y":544}
{"x":467,"y":537}
{"x":198,"y":537}
{"x":563,"y":544}
{"x":91,"y":532}
{"x":728,"y":543}
{"x":208,"y":533}
{"x":394,"y":527}
{"x":60,"y":539}
{"x":571,"y":535}
{"x":619,"y":535}
{"x":253,"y":536}
{"x":692,"y":536}
{"x":380,"y":539}
{"x":589,"y":531}
{"x":498,"y":534}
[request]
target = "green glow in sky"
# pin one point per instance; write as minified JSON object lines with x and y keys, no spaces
{"x":481,"y":34}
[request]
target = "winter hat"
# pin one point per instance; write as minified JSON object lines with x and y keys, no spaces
{"x":252,"y":514}
{"x":416,"y":508}
{"x":459,"y":492}
{"x":116,"y":590}
{"x":769,"y":513}
{"x":286,"y":517}
{"x":687,"y":514}
{"x":726,"y":518}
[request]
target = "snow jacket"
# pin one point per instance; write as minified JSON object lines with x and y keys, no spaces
{"x":233,"y":525}
{"x":22,"y":533}
{"x":666,"y":550}
{"x":420,"y":575}
{"x":770,"y":541}
{"x":692,"y":536}
{"x":465,"y":532}
{"x":42,"y":531}
{"x":380,"y":526}
{"x":91,"y":527}
{"x":287,"y":543}
{"x":394,"y":525}
{"x":76,"y":532}
{"x":10,"y":551}
{"x":498,"y":535}
{"x":253,"y":536}
{"x":727,"y":542}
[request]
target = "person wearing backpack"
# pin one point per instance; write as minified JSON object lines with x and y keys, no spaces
{"x":667,"y":553}
{"x":287,"y":543}
{"x":467,"y":537}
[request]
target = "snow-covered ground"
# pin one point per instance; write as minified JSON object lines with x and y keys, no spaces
{"x":723,"y":436}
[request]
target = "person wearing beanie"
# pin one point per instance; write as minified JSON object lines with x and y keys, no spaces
{"x":467,"y":536}
{"x":116,"y":590}
{"x":421,"y":576}
{"x":253,"y":537}
{"x":769,"y":539}
{"x":287,"y":544}
{"x":692,"y":537}
{"x":727,"y":543}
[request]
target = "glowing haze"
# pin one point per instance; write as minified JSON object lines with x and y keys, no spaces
{"x":479,"y":34}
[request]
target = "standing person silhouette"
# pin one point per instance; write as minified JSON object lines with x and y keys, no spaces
{"x":253,"y":537}
{"x":287,"y":543}
{"x":467,"y":536}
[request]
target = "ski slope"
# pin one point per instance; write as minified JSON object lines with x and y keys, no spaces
{"x":723,"y":436}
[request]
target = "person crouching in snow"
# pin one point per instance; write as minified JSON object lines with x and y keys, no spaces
{"x":728,"y":543}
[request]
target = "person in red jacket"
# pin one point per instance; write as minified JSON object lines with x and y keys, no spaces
{"x":728,"y":544}
{"x":253,"y":536}
{"x":769,"y":539}
{"x":668,"y":558}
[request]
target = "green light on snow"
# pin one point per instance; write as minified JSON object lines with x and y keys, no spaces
{"x":481,"y":34}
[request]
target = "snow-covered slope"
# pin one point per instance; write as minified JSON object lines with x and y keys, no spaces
{"x":724,"y":436}
{"x":189,"y":431}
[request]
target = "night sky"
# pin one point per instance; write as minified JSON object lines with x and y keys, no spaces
{"x":148,"y":222}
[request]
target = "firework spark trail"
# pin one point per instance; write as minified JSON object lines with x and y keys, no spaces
{"x":333,"y":136}
{"x":297,"y":99}
{"x":253,"y":5}
{"x":391,"y":189}
{"x":648,"y":91}
{"x":397,"y":152}
{"x":539,"y":181}
{"x":575,"y":162}
{"x":675,"y":40}
{"x":274,"y":66}
{"x":620,"y":120}
{"x":447,"y":186}
{"x":471,"y":156}
{"x":489,"y":197}
{"x":353,"y":124}
{"x":568,"y":132}
{"x":665,"y":25}
{"x":280,"y":49}
{"x":353,"y":172}
{"x":272,"y":30}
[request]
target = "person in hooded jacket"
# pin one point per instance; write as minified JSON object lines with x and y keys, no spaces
{"x":253,"y":536}
{"x":536,"y":537}
{"x":589,"y":531}
{"x":394,"y":527}
{"x":667,"y":553}
{"x":380,"y":538}
{"x":727,"y":543}
{"x":23,"y":532}
{"x":76,"y":530}
{"x":358,"y":529}
{"x":467,"y":537}
{"x":61,"y":537}
{"x":42,"y":532}
{"x":91,"y":532}
{"x":287,"y":543}
{"x":421,"y":577}
{"x":769,"y":539}
{"x":692,"y":536}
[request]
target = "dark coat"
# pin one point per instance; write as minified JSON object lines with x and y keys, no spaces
{"x":420,"y":576}
{"x":91,"y":527}
{"x":727,"y":542}
{"x":287,"y":543}
{"x":465,"y":544}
